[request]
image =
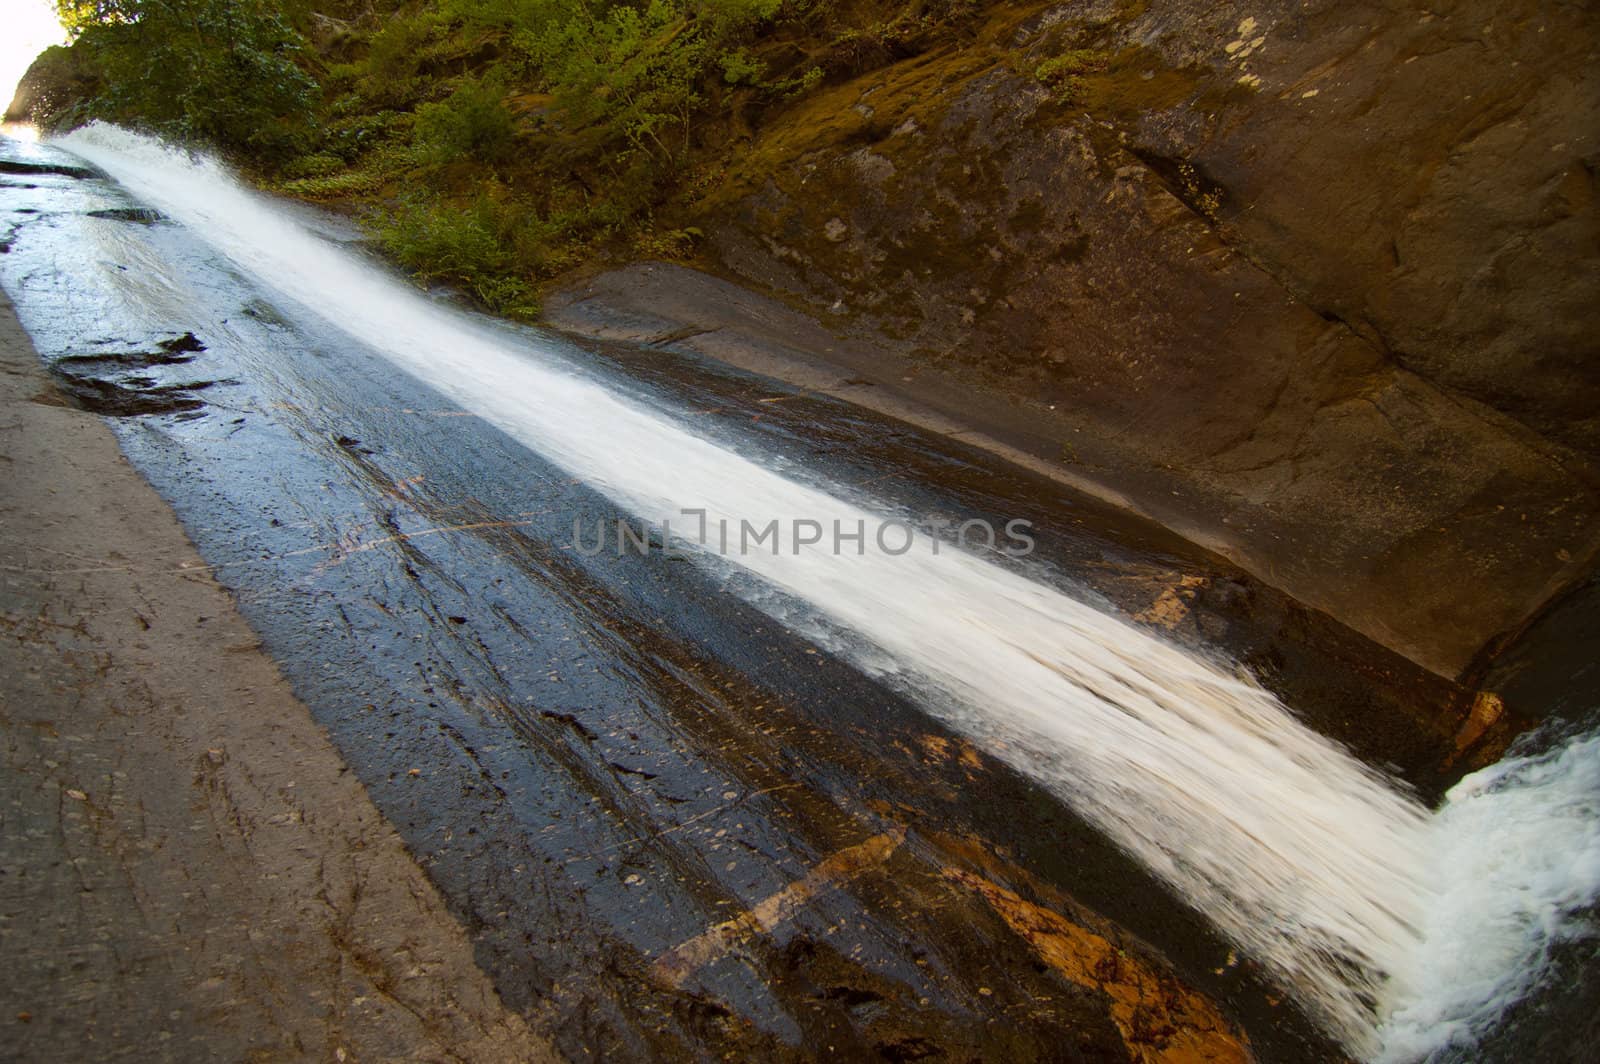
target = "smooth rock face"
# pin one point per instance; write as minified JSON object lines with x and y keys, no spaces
{"x":1312,"y":283}
{"x":1437,"y":192}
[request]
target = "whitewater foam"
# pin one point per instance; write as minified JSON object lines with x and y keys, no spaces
{"x":1515,"y":852}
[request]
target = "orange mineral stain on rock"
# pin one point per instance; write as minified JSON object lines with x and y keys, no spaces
{"x":940,"y":748}
{"x":1486,"y":732}
{"x":1487,"y":709}
{"x":675,"y":966}
{"x":1161,"y":1021}
{"x":1170,"y":609}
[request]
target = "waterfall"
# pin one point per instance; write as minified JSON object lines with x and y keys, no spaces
{"x":1403,"y":931}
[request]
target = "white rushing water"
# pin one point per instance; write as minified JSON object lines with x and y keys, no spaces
{"x":1515,"y":850}
{"x":1400,"y":930}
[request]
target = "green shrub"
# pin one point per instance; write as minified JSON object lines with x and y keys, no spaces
{"x":739,"y":67}
{"x":332,"y":186}
{"x":489,"y":248}
{"x":393,"y":74}
{"x":632,"y":73}
{"x":473,"y":122}
{"x":728,"y":18}
{"x":667,"y":244}
{"x":316,"y":164}
{"x":527,"y":132}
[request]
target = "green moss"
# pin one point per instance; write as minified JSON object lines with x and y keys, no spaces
{"x":1136,"y":82}
{"x":917,"y":91}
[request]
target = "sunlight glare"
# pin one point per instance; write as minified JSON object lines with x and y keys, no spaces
{"x":30,"y":27}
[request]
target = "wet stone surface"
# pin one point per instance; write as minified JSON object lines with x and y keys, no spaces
{"x":116,"y":384}
{"x":127,"y":214}
{"x":56,"y":168}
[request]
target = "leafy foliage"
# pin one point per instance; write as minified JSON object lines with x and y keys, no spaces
{"x":484,"y":247}
{"x":634,"y":70}
{"x":219,"y":71}
{"x":473,"y":122}
{"x":489,"y":143}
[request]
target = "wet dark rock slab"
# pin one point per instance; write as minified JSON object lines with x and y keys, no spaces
{"x":109,"y":382}
{"x":20,"y":166}
{"x":127,"y":214}
{"x":130,"y":396}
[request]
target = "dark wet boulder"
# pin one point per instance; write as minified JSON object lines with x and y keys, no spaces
{"x":143,"y":215}
{"x":23,"y":166}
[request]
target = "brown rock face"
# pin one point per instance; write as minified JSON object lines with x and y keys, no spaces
{"x":1314,"y":283}
{"x":1429,"y":178}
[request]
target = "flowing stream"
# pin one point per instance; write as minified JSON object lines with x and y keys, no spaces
{"x":1404,"y":931}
